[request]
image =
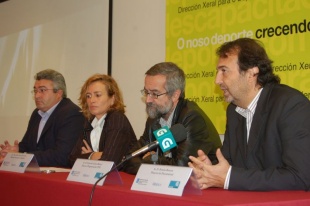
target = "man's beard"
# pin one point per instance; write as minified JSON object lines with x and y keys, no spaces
{"x":156,"y":111}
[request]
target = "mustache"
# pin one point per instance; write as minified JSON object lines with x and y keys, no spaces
{"x":150,"y":104}
{"x":152,"y":110}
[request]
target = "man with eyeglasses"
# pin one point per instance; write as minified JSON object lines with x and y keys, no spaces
{"x":54,"y":125}
{"x":166,"y":105}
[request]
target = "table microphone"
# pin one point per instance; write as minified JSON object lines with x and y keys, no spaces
{"x":166,"y":139}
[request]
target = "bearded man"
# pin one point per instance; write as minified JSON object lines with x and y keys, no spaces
{"x":164,"y":96}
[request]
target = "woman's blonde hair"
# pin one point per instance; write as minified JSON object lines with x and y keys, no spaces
{"x":112,"y":90}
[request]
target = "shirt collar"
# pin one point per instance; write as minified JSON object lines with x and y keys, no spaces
{"x":168,"y":123}
{"x":48,"y":112}
{"x":252,"y":106}
{"x":98,"y":122}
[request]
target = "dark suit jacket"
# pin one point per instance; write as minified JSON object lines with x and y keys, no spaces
{"x":276,"y":156}
{"x":117,"y":137}
{"x":201,"y":134}
{"x":58,"y":136}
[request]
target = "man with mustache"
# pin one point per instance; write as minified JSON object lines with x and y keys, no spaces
{"x":54,"y":125}
{"x":166,"y":106}
{"x":267,"y":137}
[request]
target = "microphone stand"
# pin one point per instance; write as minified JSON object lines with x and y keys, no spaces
{"x":127,"y":157}
{"x":94,"y":186}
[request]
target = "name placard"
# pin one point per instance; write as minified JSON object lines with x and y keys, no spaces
{"x":20,"y":162}
{"x":89,"y":171}
{"x":163,"y":179}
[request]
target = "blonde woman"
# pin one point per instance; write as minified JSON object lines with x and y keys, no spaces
{"x":107,"y":134}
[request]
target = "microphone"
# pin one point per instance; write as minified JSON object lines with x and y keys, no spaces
{"x":166,"y":139}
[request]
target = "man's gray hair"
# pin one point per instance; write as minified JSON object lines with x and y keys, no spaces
{"x":174,"y":75}
{"x":55,"y":77}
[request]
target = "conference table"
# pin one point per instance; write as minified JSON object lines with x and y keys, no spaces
{"x":54,"y":189}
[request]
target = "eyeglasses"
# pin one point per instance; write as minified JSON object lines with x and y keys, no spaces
{"x":41,"y":90}
{"x":153,"y":95}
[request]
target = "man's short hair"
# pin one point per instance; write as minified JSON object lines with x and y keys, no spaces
{"x":175,"y":77}
{"x":55,"y":77}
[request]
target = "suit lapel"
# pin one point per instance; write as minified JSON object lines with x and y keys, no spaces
{"x":46,"y":126}
{"x":86,"y":133}
{"x":241,"y":136}
{"x":103,"y":133}
{"x":259,"y":117}
{"x":35,"y":130}
{"x":255,"y":129}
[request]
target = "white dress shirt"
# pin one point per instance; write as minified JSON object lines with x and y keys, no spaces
{"x":96,"y":132}
{"x":44,"y":118}
{"x":248,"y":114}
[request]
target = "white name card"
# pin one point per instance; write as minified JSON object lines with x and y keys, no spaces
{"x":20,"y":162}
{"x":89,"y":171}
{"x":162,"y":179}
